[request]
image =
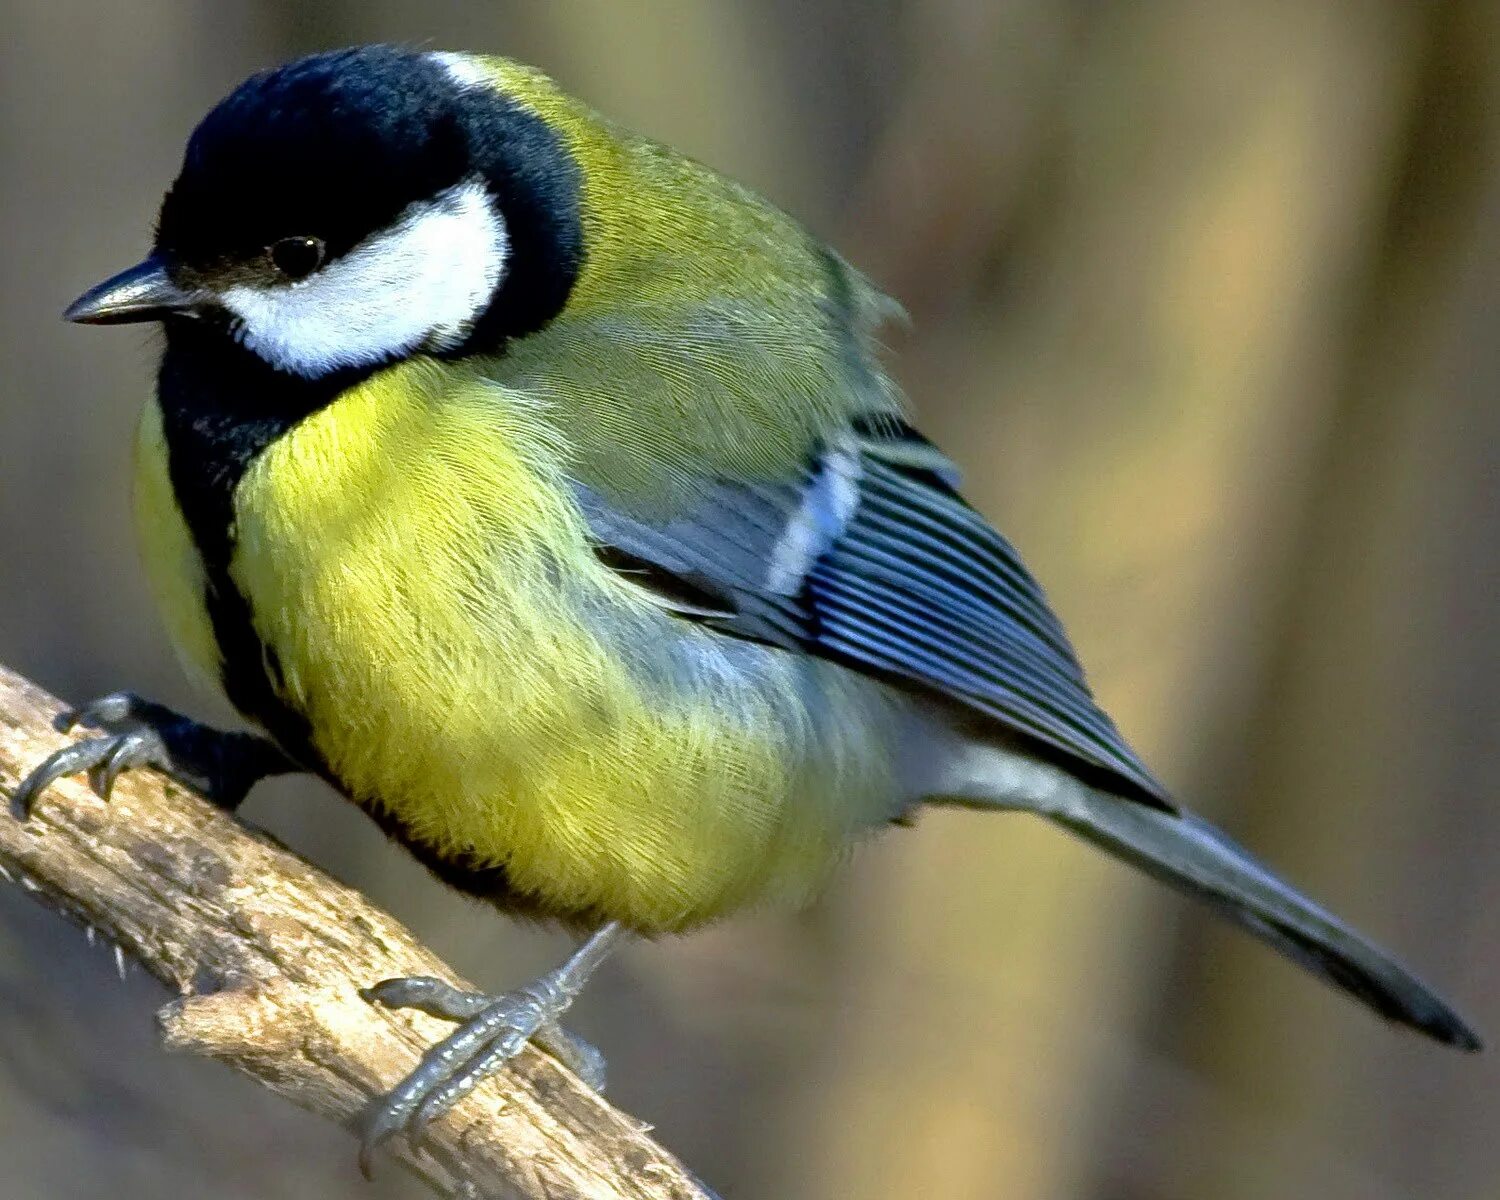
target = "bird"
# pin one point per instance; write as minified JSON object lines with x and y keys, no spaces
{"x":544,"y":492}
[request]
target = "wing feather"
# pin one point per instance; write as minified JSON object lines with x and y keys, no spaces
{"x":871,"y":557}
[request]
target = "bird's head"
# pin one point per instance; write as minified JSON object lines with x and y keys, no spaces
{"x":354,"y":208}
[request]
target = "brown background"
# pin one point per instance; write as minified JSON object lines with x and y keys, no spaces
{"x":1206,"y":300}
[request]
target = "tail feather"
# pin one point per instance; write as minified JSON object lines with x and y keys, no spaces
{"x":1198,"y":859}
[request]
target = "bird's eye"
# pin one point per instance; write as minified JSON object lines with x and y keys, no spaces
{"x":297,"y":257}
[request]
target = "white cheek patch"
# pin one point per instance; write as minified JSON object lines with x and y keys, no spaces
{"x":419,"y":285}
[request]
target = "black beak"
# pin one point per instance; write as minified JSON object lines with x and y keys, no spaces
{"x":143,"y":293}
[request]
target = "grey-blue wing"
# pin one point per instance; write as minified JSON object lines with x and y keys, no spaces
{"x":873,"y":559}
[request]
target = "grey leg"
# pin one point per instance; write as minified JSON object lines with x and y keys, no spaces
{"x":493,"y":1031}
{"x":219,"y":765}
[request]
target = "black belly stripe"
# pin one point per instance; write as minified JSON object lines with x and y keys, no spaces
{"x":221,"y":406}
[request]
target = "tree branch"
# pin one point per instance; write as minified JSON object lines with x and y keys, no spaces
{"x":267,"y":955}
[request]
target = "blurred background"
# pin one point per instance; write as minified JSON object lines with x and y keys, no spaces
{"x":1206,"y":300}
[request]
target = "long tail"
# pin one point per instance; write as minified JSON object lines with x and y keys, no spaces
{"x":1198,"y":859}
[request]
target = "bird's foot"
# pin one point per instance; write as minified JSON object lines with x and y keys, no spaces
{"x":139,"y":733}
{"x":493,"y":1031}
{"x":130,"y":741}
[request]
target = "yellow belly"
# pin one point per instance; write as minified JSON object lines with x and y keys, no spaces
{"x":414,"y":563}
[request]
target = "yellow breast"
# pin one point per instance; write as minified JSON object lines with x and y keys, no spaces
{"x":421,"y":578}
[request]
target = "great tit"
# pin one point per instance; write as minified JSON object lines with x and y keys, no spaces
{"x":541,"y":490}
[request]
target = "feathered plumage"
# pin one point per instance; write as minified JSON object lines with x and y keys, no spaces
{"x":554,"y":505}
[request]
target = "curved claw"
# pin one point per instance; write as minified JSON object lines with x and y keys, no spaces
{"x":380,"y":1126}
{"x":134,"y":749}
{"x":70,"y":760}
